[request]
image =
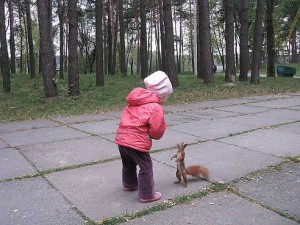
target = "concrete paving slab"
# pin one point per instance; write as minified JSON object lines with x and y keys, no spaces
{"x":34,"y":201}
{"x":292,"y":128}
{"x":24,"y":125}
{"x":227,"y":102}
{"x":278,"y":190}
{"x":206,"y":105}
{"x":79,"y":118}
{"x":272,"y":141}
{"x":3,"y":144}
{"x":243,"y":109}
{"x":259,"y":98}
{"x":181,"y":108}
{"x":257,"y":120}
{"x":99,"y":128}
{"x":212,"y":129}
{"x":210,"y":114}
{"x":171,"y":138}
{"x":282,"y":115}
{"x":85,"y":118}
{"x":69,"y":152}
{"x":177,"y":118}
{"x":225,"y":162}
{"x":215,"y":209}
{"x":13,"y":164}
{"x":41,"y":135}
{"x":279,"y":103}
{"x":97,"y":188}
{"x":295,"y":108}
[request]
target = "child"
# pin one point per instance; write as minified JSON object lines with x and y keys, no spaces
{"x":142,"y":120}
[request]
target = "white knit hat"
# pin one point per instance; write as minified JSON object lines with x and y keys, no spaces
{"x":159,"y":83}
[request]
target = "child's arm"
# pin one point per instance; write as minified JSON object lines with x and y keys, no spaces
{"x":157,"y":124}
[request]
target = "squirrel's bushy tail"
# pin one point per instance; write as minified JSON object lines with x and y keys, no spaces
{"x":198,"y":170}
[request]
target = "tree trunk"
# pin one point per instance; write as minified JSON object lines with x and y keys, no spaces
{"x":21,"y":36}
{"x":66,"y":46}
{"x":12,"y":37}
{"x":114,"y":39}
{"x":257,"y":42}
{"x":229,"y":38}
{"x":176,"y":40}
{"x":73,"y":76}
{"x":123,"y":66}
{"x":244,"y":50}
{"x":198,"y":54}
{"x":205,"y":42}
{"x":46,"y":47}
{"x":181,"y":64}
{"x":4,"y":52}
{"x":135,"y":7}
{"x":169,"y":43}
{"x":270,"y":38}
{"x":99,"y":44}
{"x":143,"y":43}
{"x":105,"y":44}
{"x":27,"y":64}
{"x":92,"y":60}
{"x":236,"y":42}
{"x":191,"y":34}
{"x":150,"y":45}
{"x":61,"y":10}
{"x":109,"y":37}
{"x":294,"y":46}
{"x":150,"y":37}
{"x":157,"y":40}
{"x":162,"y":36}
{"x":30,"y":41}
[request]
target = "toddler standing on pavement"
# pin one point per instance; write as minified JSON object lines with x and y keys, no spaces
{"x":142,"y":120}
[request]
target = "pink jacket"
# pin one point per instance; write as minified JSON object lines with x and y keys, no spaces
{"x":141,"y":120}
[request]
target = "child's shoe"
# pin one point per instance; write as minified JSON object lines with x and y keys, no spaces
{"x":129,"y":189}
{"x":156,"y":197}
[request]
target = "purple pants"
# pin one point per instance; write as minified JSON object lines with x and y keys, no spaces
{"x":144,"y":181}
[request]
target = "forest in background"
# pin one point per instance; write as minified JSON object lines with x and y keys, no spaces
{"x":138,"y":37}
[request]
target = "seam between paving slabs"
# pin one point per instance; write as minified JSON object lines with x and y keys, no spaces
{"x":86,"y":219}
{"x":45,"y":172}
{"x":165,"y":205}
{"x":234,"y":104}
{"x":250,"y":176}
{"x":186,"y":199}
{"x":41,"y":173}
{"x":283,"y":214}
{"x":178,"y":200}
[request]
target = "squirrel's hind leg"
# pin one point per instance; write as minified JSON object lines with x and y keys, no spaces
{"x":184,"y":175}
{"x":178,"y":175}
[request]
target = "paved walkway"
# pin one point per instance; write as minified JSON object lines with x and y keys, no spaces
{"x":67,"y":170}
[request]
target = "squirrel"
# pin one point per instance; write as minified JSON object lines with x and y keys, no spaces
{"x":195,"y":170}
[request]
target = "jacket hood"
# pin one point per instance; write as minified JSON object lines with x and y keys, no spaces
{"x":141,"y":96}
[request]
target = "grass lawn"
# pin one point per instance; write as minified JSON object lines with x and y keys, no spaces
{"x":27,"y":99}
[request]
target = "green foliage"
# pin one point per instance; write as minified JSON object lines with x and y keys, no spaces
{"x":192,"y":89}
{"x":27,"y":99}
{"x":263,"y":68}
